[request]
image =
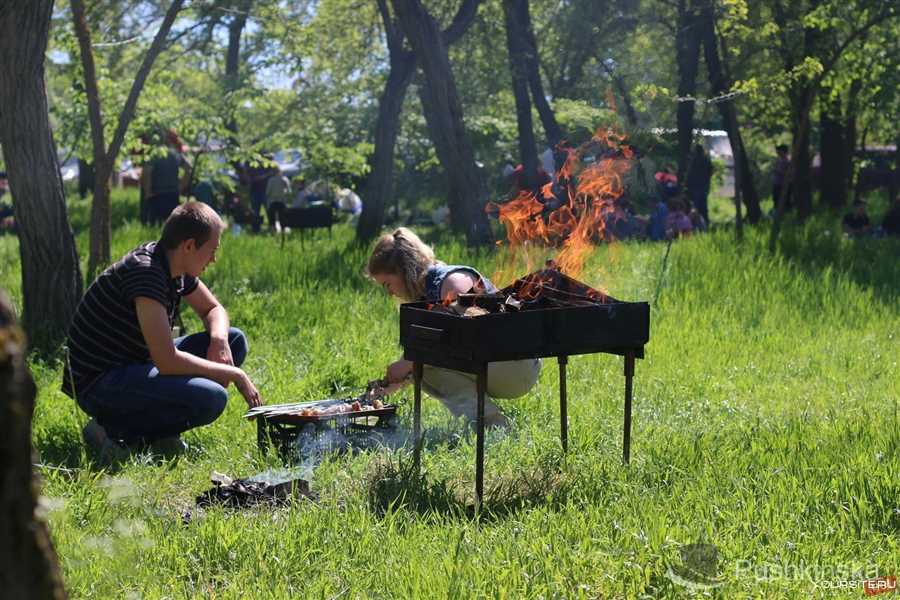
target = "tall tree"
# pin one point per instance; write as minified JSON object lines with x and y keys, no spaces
{"x":233,"y":56}
{"x":378,"y":184}
{"x":28,"y":565}
{"x":51,"y":278}
{"x":720,"y":83}
{"x":518,"y":46}
{"x":688,"y":36}
{"x":444,"y":114}
{"x":402,"y":63}
{"x":105,"y":157}
{"x":816,"y":62}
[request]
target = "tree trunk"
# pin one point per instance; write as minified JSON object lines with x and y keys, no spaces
{"x":552,"y":130}
{"x":516,"y":35}
{"x":467,"y":190}
{"x":687,"y":53}
{"x":28,"y":564}
{"x":105,"y":158}
{"x":233,"y":61}
{"x":720,"y":83}
{"x":51,"y":278}
{"x":100,"y":209}
{"x":833,"y":179}
{"x":378,"y":183}
{"x":801,"y":182}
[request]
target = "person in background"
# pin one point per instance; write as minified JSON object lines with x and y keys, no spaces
{"x":667,"y":181}
{"x":86,"y":178}
{"x":406,"y":267}
{"x":656,"y":226}
{"x":891,"y":223}
{"x":699,"y":177}
{"x":161,"y":181}
{"x":278,"y":195}
{"x":348,"y":201}
{"x":141,"y":387}
{"x":698,"y":223}
{"x":856,"y":223}
{"x":678,"y":223}
{"x":257,"y":178}
{"x":301,"y":194}
{"x":779,"y":173}
{"x":205,"y":192}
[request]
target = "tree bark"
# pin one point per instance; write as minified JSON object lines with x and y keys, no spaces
{"x":720,"y":83}
{"x":517,"y":46}
{"x":105,"y":158}
{"x":552,"y":130}
{"x":467,"y":190}
{"x":51,"y":278}
{"x":832,"y":149}
{"x":801,"y":182}
{"x":233,"y":60}
{"x":687,"y":54}
{"x":387,"y":127}
{"x":28,"y":563}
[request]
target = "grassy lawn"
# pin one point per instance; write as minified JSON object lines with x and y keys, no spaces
{"x":765,"y":423}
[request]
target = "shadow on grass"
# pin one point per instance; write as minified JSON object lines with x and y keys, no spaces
{"x":869,"y":262}
{"x":395,"y":483}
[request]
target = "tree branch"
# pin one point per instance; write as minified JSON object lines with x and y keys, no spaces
{"x":464,"y":17}
{"x":131,"y":103}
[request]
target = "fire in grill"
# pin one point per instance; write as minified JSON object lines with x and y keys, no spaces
{"x":541,"y":315}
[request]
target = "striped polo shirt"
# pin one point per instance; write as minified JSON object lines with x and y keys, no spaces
{"x":105,"y":332}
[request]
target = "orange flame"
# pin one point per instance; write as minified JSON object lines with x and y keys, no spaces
{"x":572,"y":211}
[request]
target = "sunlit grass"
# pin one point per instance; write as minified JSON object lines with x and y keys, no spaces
{"x":765,"y":423}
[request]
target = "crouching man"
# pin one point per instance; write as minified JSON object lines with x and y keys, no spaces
{"x":141,"y":387}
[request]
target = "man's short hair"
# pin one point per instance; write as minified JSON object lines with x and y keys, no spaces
{"x":781,"y":148}
{"x":190,"y":221}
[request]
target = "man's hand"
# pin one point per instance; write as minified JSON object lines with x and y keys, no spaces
{"x":247,"y":389}
{"x":399,"y":371}
{"x":219,"y":352}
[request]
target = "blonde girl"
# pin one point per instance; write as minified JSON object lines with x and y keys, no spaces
{"x":406,"y":268}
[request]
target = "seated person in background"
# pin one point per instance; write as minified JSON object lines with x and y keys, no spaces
{"x":348,"y":201}
{"x":891,"y":224}
{"x":698,"y":223}
{"x":139,"y":385}
{"x":656,"y":226}
{"x":301,"y":194}
{"x":667,"y":181}
{"x":405,"y":267}
{"x":278,"y":195}
{"x":857,"y":223}
{"x":204,"y":192}
{"x":678,"y":223}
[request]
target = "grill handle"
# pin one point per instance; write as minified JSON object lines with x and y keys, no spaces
{"x":428,"y":334}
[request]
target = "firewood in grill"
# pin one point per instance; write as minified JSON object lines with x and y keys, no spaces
{"x":475,"y":311}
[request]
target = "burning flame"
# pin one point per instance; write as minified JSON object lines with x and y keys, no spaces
{"x":571,"y":212}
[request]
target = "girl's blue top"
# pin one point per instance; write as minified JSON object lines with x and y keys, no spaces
{"x":435,"y":275}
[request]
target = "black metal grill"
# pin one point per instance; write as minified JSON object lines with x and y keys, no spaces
{"x":544,"y":314}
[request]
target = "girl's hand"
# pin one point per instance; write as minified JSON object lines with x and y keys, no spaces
{"x":397,"y":372}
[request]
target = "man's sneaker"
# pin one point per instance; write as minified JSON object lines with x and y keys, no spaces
{"x":113,"y":453}
{"x":94,"y":436}
{"x":168,"y":447}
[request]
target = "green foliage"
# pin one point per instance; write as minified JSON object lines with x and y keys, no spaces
{"x":766,"y":423}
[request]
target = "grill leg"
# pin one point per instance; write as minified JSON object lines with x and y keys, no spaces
{"x":262,"y":436}
{"x":629,"y":376}
{"x":481,"y":384}
{"x":563,"y":404}
{"x":417,"y":414}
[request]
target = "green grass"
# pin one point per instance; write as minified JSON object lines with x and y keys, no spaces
{"x":765,"y":423}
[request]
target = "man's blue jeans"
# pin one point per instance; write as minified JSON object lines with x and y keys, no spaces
{"x":136,"y":404}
